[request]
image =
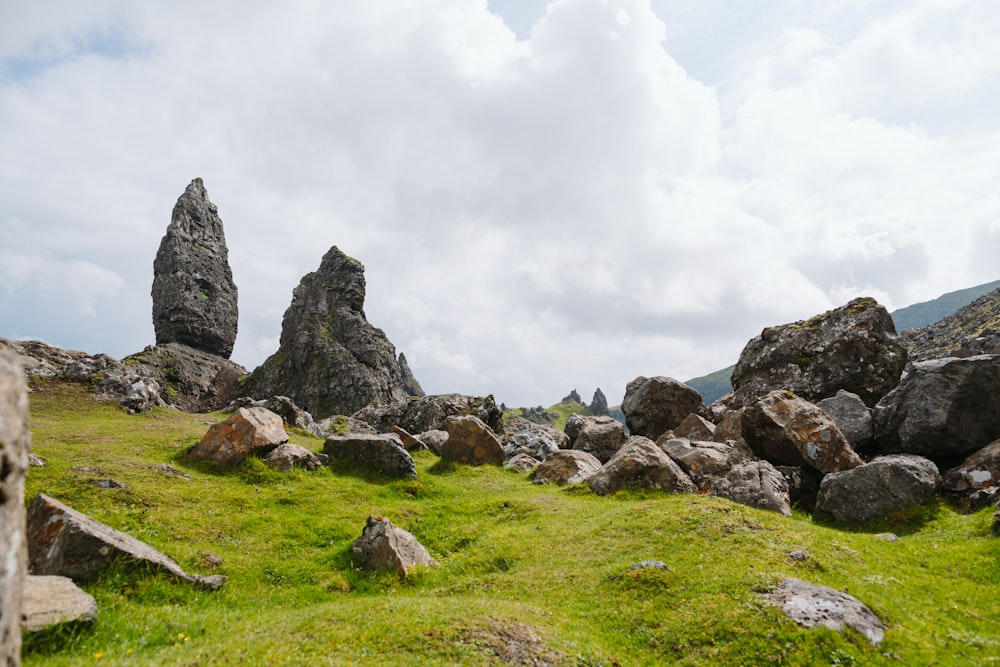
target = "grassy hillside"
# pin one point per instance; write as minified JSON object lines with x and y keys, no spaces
{"x":928,"y":312}
{"x":715,"y":385}
{"x":529,"y":574}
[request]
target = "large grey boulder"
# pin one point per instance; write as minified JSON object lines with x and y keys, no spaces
{"x":194,"y":296}
{"x":639,"y":463}
{"x":15,"y":443}
{"x":941,"y":408}
{"x":705,"y":462}
{"x":852,"y":417}
{"x":853,"y":347}
{"x":331,"y":360}
{"x":521,"y":436}
{"x":64,"y":542}
{"x":51,"y":600}
{"x":756,"y":484}
{"x":600,"y":436}
{"x":471,"y":441}
{"x":385,"y":546}
{"x":655,"y":405}
{"x":383,"y":452}
{"x":247,"y":431}
{"x":786,"y":429}
{"x":567,"y":466}
{"x":813,"y":606}
{"x":885,"y":485}
{"x":429,"y":413}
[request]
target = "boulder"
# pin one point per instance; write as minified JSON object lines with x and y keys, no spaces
{"x":184,"y":377}
{"x":430,"y":412}
{"x":639,"y":463}
{"x":471,"y":441}
{"x":600,"y":436}
{"x":567,"y":466}
{"x":51,"y":600}
{"x":854,"y":347}
{"x":977,"y":473}
{"x":942,"y":408}
{"x":15,"y":443}
{"x":757,"y":484}
{"x":64,"y":542}
{"x":521,"y":436}
{"x":598,"y":405}
{"x":729,"y":426}
{"x":284,"y":407}
{"x":340,"y":424}
{"x":330,"y":359}
{"x":810,"y":606}
{"x":434,"y":439}
{"x":521,"y":463}
{"x":410,"y":384}
{"x":879,"y":488}
{"x":852,"y":417}
{"x":383,"y":452}
{"x":194,"y":296}
{"x":289,"y":457}
{"x":410,"y":442}
{"x":704,"y":462}
{"x":788,"y":430}
{"x":247,"y":431}
{"x":385,"y":546}
{"x":695,"y":427}
{"x":655,"y":405}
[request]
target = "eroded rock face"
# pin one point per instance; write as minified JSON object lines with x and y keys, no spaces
{"x":471,"y":441}
{"x":521,"y":436}
{"x":854,"y":347}
{"x":705,"y":462}
{"x":331,"y":360}
{"x":600,"y":436}
{"x":639,"y":463}
{"x":247,"y":431}
{"x":852,"y":416}
{"x":944,"y":407}
{"x":383,"y":452}
{"x":385,"y":546}
{"x":787,"y":430}
{"x":194,"y":296}
{"x":810,"y":605}
{"x":186,"y":378}
{"x":883,"y":486}
{"x":653,"y":406}
{"x":598,"y":405}
{"x":429,"y":413}
{"x":15,"y":442}
{"x":756,"y":484}
{"x":410,"y":384}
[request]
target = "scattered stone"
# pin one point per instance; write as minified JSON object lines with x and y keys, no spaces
{"x":521,"y":436}
{"x":107,"y":483}
{"x":172,"y":471}
{"x":567,"y":466}
{"x":512,"y":644}
{"x":852,"y":417}
{"x":51,"y":600}
{"x":284,"y":407}
{"x":522,"y":463}
{"x":854,"y":347}
{"x":653,"y":406}
{"x":942,"y":408}
{"x":600,"y":436}
{"x":341,"y":424}
{"x":36,"y":461}
{"x":430,"y":412}
{"x":883,"y":486}
{"x":194,"y":296}
{"x":15,"y":443}
{"x":471,"y":441}
{"x":383,"y":452}
{"x":211,"y":560}
{"x":649,"y":565}
{"x":289,"y":457}
{"x":704,"y":462}
{"x":62,"y":541}
{"x":247,"y":431}
{"x":886,"y":537}
{"x":385,"y":546}
{"x":756,"y":484}
{"x":799,"y":555}
{"x":810,"y":605}
{"x":788,"y":430}
{"x":639,"y":463}
{"x":978,"y":472}
{"x":331,"y":360}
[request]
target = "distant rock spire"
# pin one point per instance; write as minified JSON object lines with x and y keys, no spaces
{"x":194,"y":296}
{"x":410,"y":383}
{"x":599,"y":406}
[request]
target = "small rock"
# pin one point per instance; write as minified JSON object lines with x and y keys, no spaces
{"x":810,"y":606}
{"x":51,"y":600}
{"x":385,"y":546}
{"x":288,"y":457}
{"x":522,"y":463}
{"x":650,"y":564}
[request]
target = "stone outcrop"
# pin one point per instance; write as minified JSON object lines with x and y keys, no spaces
{"x":51,"y":600}
{"x":653,"y":406}
{"x":854,"y":347}
{"x":567,"y":466}
{"x":600,"y":436}
{"x":385,"y":546}
{"x":429,"y":413}
{"x":194,"y":296}
{"x":598,"y":405}
{"x":15,"y":443}
{"x":787,"y":430}
{"x":186,"y":378}
{"x":852,"y":416}
{"x":285,"y":408}
{"x":810,"y":605}
{"x":885,"y":485}
{"x":639,"y":463}
{"x":970,"y":330}
{"x":410,"y":384}
{"x":331,"y":360}
{"x":289,"y":457}
{"x":64,"y":542}
{"x":521,"y":436}
{"x":695,"y":427}
{"x":943,"y":407}
{"x":383,"y":452}
{"x":756,"y":484}
{"x":471,"y":441}
{"x":247,"y":431}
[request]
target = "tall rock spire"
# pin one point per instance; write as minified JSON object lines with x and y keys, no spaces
{"x":194,"y":296}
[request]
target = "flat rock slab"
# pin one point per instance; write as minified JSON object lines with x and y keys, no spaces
{"x":810,"y":605}
{"x":51,"y":600}
{"x":62,"y":541}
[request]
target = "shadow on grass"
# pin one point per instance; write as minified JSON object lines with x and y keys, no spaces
{"x":906,"y":521}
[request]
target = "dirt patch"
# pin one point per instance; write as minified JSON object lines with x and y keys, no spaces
{"x":513,"y":644}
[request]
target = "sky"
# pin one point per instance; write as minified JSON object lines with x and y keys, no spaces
{"x":545,"y":196}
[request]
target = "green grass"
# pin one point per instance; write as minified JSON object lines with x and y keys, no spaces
{"x":546,"y":566}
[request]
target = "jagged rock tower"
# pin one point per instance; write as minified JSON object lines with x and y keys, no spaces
{"x":194,"y":296}
{"x":330,"y":359}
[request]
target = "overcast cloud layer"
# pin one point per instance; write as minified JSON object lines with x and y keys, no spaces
{"x":543,"y":197}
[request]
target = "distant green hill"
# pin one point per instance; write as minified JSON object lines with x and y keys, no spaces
{"x":716,"y":385}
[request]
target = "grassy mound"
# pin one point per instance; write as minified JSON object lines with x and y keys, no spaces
{"x":529,"y":575}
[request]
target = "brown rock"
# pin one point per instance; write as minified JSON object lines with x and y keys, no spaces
{"x":385,"y":546}
{"x":695,"y":427}
{"x":640,"y":464}
{"x":288,"y":457}
{"x":471,"y":441}
{"x":410,"y":443}
{"x":247,"y":431}
{"x":50,"y":600}
{"x":653,"y":406}
{"x":567,"y":466}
